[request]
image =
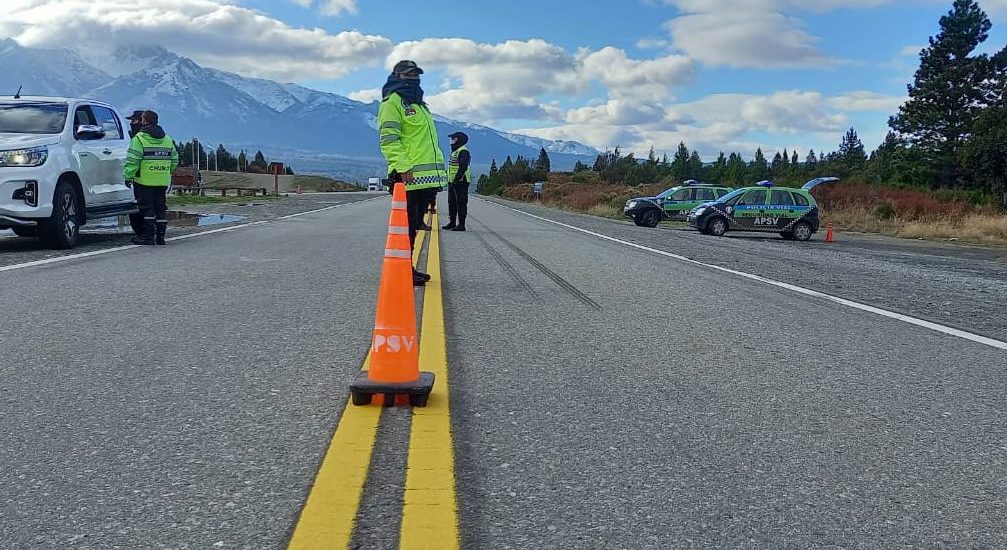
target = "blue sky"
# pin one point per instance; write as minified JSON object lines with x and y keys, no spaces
{"x":727,"y":75}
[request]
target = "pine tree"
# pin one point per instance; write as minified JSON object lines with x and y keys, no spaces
{"x":680,"y":164}
{"x":758,"y":170}
{"x":260,"y":160}
{"x":542,"y":165}
{"x":984,"y":156}
{"x":580,"y":167}
{"x":811,"y":162}
{"x":786,"y":159}
{"x":695,"y":166}
{"x":777,"y":166}
{"x":493,"y":168}
{"x":950,"y":88}
{"x":243,"y":161}
{"x":851,"y":151}
{"x":793,"y":159}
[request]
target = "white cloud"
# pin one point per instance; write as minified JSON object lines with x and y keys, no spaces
{"x":330,"y":7}
{"x":728,"y":122}
{"x":751,"y":33}
{"x":652,"y":43}
{"x":212,"y":33}
{"x":510,"y":79}
{"x":867,"y":101}
{"x":366,"y":96}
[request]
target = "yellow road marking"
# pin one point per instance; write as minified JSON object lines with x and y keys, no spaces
{"x":430,"y":511}
{"x":327,"y":519}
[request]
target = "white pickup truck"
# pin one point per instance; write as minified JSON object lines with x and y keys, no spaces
{"x":61,"y":165}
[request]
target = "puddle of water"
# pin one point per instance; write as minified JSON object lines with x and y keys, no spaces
{"x":178,"y":218}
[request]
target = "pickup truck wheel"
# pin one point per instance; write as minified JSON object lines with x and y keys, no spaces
{"x":650,"y":218}
{"x":25,"y":231}
{"x":136,"y":223}
{"x":62,"y":230}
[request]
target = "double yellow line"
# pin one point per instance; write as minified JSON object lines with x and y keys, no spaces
{"x":430,"y":507}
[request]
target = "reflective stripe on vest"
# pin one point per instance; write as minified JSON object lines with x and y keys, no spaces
{"x":453,"y":165}
{"x":155,"y":164}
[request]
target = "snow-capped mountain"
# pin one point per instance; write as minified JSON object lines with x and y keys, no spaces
{"x":309,"y":129}
{"x":45,"y":72}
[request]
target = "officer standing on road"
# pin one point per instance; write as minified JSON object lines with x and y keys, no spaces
{"x":459,"y":176}
{"x":409,"y":144}
{"x":151,"y":159}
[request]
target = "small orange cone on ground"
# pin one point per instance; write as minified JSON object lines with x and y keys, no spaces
{"x":828,"y":233}
{"x":394,"y":375}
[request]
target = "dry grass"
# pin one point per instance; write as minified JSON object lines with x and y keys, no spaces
{"x":849,"y":206}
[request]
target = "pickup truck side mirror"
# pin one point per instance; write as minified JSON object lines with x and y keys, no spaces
{"x":88,"y":132}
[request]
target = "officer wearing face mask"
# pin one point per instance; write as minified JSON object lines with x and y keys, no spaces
{"x":408,"y":141}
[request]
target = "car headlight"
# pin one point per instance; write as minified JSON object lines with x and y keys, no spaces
{"x":699,"y":211}
{"x":631,"y":204}
{"x":35,"y":156}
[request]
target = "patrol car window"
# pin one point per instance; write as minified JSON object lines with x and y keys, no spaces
{"x":32,"y":118}
{"x":704,"y":194}
{"x":753,"y":197}
{"x":732,"y":197}
{"x":721,"y":192}
{"x":801,"y":199}
{"x":108,"y":121}
{"x":782,"y":197}
{"x":682,"y":195}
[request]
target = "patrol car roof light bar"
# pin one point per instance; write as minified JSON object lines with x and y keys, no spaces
{"x":766,"y":183}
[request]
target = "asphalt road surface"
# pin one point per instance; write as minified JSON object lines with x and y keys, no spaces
{"x":611,"y":387}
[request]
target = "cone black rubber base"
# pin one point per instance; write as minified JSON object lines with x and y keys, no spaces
{"x":363,"y":389}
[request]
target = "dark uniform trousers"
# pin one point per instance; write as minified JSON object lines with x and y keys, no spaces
{"x":458,"y":202}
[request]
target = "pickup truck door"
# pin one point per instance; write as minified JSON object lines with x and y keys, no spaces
{"x":110,"y":185}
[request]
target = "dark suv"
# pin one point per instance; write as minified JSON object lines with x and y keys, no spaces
{"x":672,"y":204}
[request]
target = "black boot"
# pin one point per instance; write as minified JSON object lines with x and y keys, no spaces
{"x":451,"y":225}
{"x":162,"y":228}
{"x":146,"y":236}
{"x":418,"y":281}
{"x":461,"y":225}
{"x":420,"y":275}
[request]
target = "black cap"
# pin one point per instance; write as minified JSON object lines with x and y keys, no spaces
{"x":458,"y":135}
{"x":407,"y":66}
{"x":136,"y":115}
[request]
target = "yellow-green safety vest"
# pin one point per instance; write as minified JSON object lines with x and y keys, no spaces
{"x":409,"y":142}
{"x":453,"y":166}
{"x":150,"y":161}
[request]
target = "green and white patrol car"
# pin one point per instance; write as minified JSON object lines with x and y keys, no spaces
{"x":672,"y":204}
{"x":791,"y":212}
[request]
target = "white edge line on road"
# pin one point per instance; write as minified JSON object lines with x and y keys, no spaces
{"x":58,"y":259}
{"x":979,"y":339}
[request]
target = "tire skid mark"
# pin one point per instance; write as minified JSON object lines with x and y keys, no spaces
{"x":559,"y":280}
{"x":505,"y":264}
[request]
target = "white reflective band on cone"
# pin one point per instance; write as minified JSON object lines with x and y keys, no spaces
{"x":392,"y":253}
{"x":398,"y":204}
{"x":392,"y":230}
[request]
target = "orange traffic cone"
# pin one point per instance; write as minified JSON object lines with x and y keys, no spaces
{"x":828,"y":233}
{"x":394,"y":375}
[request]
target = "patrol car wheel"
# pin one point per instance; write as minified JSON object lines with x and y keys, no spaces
{"x":717,"y":227}
{"x":650,"y":218}
{"x":802,"y":231}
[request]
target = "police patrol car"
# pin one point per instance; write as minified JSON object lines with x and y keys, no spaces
{"x":672,"y":204}
{"x":793,"y":213}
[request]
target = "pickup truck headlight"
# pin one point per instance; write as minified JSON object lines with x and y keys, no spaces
{"x":631,"y":204}
{"x":36,"y":156}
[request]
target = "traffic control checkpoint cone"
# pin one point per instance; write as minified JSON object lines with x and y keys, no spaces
{"x":394,"y":376}
{"x":828,"y":233}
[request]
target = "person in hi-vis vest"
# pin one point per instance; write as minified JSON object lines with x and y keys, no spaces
{"x":151,"y":159}
{"x":408,"y":141}
{"x":459,"y":178}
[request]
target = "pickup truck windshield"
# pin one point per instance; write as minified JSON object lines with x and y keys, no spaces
{"x":32,"y":118}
